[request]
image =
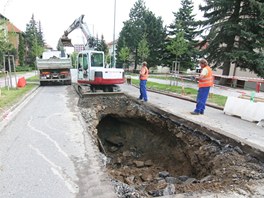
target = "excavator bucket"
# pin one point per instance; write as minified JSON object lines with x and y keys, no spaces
{"x":66,"y":42}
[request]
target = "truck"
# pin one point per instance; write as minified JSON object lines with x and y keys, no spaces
{"x":54,"y":66}
{"x":93,"y":74}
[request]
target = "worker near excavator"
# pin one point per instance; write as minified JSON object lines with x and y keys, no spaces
{"x":205,"y":81}
{"x":143,"y":77}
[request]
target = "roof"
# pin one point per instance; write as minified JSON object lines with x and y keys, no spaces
{"x":10,"y":26}
{"x":3,"y":17}
{"x":111,"y":43}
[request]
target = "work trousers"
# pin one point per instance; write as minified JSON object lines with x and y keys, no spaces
{"x":202,"y":96}
{"x":143,"y":90}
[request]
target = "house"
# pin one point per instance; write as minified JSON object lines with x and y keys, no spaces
{"x":241,"y":78}
{"x":79,"y":47}
{"x":112,"y":49}
{"x":10,"y":31}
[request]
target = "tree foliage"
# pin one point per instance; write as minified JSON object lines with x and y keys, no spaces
{"x":142,"y":22}
{"x":124,"y":54}
{"x":235,"y":34}
{"x":178,"y":46}
{"x":34,"y":41}
{"x":143,"y":49}
{"x":21,"y":50}
{"x":5,"y":46}
{"x":102,"y":46}
{"x":185,"y":25}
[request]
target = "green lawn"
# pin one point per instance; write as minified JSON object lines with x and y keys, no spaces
{"x":33,"y":79}
{"x":189,"y":92}
{"x":8,"y":97}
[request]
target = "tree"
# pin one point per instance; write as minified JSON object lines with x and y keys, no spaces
{"x":155,"y":36}
{"x":5,"y":46}
{"x":235,"y":34}
{"x":124,"y":54}
{"x":21,"y":50}
{"x":137,"y":26}
{"x":103,"y":46}
{"x":142,"y":22}
{"x":178,"y":46}
{"x":40,"y":37}
{"x":184,"y":23}
{"x":143,"y":49}
{"x":74,"y":57}
{"x":34,"y":42}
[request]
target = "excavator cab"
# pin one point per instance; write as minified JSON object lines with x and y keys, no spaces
{"x":88,"y":62}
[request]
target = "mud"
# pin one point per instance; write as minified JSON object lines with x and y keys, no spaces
{"x":150,"y":153}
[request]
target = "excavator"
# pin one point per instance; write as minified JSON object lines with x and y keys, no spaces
{"x":93,"y":76}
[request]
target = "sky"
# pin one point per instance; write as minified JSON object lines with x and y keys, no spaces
{"x":57,"y":15}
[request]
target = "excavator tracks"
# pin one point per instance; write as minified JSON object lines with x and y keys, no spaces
{"x":85,"y":91}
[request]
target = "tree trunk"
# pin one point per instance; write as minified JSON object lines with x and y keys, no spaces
{"x":226,"y":69}
{"x":136,"y":61}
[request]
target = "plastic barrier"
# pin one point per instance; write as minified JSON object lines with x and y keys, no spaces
{"x":245,"y":109}
{"x":21,"y":82}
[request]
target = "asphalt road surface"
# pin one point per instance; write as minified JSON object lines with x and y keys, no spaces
{"x":45,"y":151}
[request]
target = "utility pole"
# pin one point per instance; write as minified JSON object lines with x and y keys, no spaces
{"x":114,"y":62}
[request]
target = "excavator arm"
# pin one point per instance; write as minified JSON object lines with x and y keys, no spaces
{"x":64,"y":41}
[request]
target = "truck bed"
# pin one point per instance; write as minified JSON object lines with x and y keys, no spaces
{"x":54,"y":63}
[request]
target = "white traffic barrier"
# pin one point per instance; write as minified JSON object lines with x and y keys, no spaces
{"x":245,"y":109}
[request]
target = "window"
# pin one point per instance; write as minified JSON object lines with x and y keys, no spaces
{"x":85,"y":61}
{"x":97,"y":59}
{"x":80,"y":61}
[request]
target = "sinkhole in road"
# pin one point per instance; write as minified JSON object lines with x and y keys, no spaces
{"x":152,"y":153}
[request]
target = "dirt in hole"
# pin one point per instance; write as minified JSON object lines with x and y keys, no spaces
{"x":154,"y":154}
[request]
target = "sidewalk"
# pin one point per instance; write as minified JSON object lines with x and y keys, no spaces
{"x":240,"y":130}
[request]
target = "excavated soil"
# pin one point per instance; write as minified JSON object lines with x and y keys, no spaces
{"x":150,"y":153}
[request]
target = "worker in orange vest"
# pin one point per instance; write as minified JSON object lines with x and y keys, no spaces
{"x":205,"y":81}
{"x":143,"y":77}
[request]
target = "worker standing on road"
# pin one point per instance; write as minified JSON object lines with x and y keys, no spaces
{"x":205,"y":82}
{"x":143,"y":76}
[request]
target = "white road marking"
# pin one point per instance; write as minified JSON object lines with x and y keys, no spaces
{"x":57,"y":170}
{"x":48,"y":137}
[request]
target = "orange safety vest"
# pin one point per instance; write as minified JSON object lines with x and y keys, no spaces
{"x":144,"y":73}
{"x":208,"y":80}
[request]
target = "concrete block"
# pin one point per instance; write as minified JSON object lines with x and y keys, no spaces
{"x":245,"y":109}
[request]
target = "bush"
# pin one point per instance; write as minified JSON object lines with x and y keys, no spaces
{"x":23,"y":68}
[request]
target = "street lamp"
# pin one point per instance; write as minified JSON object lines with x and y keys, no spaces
{"x":114,"y":62}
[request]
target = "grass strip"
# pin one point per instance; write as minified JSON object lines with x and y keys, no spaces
{"x":218,"y":100}
{"x":9,"y":97}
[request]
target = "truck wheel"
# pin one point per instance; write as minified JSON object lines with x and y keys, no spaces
{"x":42,"y":83}
{"x":68,"y":82}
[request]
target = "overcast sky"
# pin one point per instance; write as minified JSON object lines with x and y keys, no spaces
{"x":57,"y":15}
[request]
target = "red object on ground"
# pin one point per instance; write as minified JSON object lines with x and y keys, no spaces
{"x":21,"y":82}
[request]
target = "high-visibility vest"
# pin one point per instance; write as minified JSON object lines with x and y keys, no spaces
{"x":144,"y":73}
{"x":208,"y":80}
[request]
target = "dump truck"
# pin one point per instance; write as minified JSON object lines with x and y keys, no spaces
{"x":54,"y":67}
